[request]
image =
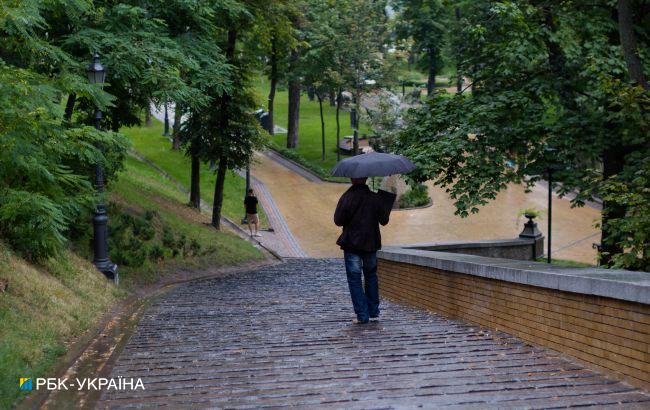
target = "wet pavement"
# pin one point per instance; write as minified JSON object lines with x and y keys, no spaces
{"x":308,"y":208}
{"x":282,"y":336}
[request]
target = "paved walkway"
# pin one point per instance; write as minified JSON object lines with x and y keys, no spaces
{"x":280,"y":239}
{"x":308,"y":208}
{"x":282,"y":336}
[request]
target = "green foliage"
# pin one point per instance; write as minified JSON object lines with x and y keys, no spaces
{"x":417,"y":195}
{"x":535,"y":213}
{"x":424,"y":22}
{"x":45,"y":168}
{"x":550,"y":90}
{"x":632,"y":192}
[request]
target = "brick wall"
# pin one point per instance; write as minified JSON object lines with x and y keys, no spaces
{"x":610,"y":334}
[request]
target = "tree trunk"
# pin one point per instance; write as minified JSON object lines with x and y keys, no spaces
{"x":629,"y":44}
{"x":69,"y":108}
{"x":614,"y":156}
{"x":218,"y":193}
{"x":431,"y":81}
{"x":332,"y":97}
{"x":294,"y":106}
{"x":322,"y":125}
{"x":338,"y":124}
{"x":147,"y":116}
{"x":355,"y":139}
{"x":459,"y":77}
{"x":115,"y":120}
{"x":274,"y":82}
{"x":178,"y":114}
{"x":613,"y":163}
{"x":195,"y":184}
{"x":217,"y":201}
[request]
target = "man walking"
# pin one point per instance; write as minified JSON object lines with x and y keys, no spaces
{"x":250,"y":203}
{"x":359,"y":212}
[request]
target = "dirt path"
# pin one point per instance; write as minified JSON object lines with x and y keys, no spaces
{"x":308,"y":208}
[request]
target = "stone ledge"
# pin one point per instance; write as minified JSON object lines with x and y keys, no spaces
{"x":430,"y":246}
{"x":616,"y":284}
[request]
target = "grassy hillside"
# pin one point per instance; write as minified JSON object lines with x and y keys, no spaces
{"x":43,"y":307}
{"x":150,"y":143}
{"x":153,"y":201}
{"x":153,"y":234}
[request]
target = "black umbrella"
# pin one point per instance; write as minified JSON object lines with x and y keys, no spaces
{"x":373,"y":164}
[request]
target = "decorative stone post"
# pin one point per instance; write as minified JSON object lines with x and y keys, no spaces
{"x":532,"y":232}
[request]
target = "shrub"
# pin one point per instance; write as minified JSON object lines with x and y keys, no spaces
{"x":418,"y":195}
{"x":156,"y":253}
{"x":32,"y":223}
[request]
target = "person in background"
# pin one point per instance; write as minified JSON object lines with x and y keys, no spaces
{"x":360,"y":212}
{"x":250,"y":203}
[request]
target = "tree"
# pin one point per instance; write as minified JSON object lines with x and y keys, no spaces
{"x":225,"y":130}
{"x":544,"y":75}
{"x":319,"y":62}
{"x":294,"y":84}
{"x":144,"y":62}
{"x":46,"y":160}
{"x":425,"y":22}
{"x":274,"y":38}
{"x":194,"y":27}
{"x":361,"y":33}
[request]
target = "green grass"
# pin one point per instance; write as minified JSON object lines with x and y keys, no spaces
{"x":309,"y":143}
{"x":140,"y":188}
{"x":45,"y":306}
{"x":149,"y":142}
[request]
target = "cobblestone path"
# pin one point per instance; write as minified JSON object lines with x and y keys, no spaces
{"x":282,"y":336}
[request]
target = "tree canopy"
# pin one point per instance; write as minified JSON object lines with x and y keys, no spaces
{"x":550,"y":89}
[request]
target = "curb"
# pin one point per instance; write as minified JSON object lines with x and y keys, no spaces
{"x":302,"y":167}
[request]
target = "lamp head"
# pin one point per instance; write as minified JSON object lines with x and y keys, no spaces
{"x":95,"y":71}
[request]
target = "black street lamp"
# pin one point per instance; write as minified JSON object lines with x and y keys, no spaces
{"x":551,"y":167}
{"x":549,"y":171}
{"x":96,"y":75}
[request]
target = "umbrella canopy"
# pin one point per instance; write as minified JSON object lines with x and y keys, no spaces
{"x":373,"y":164}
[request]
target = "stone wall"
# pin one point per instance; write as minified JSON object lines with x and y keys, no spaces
{"x":518,"y":248}
{"x":600,"y":317}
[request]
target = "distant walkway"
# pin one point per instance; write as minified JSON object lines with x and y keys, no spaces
{"x":282,"y":336}
{"x":280,"y":239}
{"x":308,"y":207}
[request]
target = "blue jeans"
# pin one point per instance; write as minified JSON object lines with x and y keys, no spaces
{"x":366,"y":304}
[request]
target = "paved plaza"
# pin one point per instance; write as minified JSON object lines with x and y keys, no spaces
{"x":308,"y":206}
{"x":282,"y":336}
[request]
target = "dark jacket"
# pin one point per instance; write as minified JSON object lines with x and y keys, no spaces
{"x":359,"y":212}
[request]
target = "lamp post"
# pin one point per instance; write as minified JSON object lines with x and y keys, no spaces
{"x":550,"y":168}
{"x":96,"y":75}
{"x":549,"y":171}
